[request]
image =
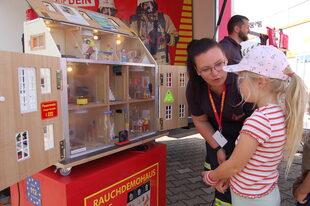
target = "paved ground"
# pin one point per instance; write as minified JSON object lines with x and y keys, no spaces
{"x":185,"y":155}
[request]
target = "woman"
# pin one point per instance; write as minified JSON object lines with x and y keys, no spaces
{"x":215,"y":103}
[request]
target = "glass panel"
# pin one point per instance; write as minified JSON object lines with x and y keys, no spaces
{"x":88,"y":129}
{"x":141,"y":83}
{"x":86,"y":83}
{"x":117,"y":81}
{"x":141,"y":118}
{"x":119,"y":123}
{"x":112,"y":47}
{"x":93,"y":44}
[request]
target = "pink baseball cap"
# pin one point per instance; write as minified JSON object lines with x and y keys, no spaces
{"x":263,"y":60}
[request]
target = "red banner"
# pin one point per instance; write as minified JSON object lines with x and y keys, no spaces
{"x":138,"y":189}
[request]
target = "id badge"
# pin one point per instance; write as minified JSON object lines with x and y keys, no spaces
{"x":219,"y":138}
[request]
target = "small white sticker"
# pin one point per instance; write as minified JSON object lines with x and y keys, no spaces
{"x":219,"y":138}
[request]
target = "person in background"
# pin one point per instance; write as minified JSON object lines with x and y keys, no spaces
{"x":301,"y":188}
{"x":155,"y":29}
{"x":215,"y":103}
{"x":238,"y":30}
{"x":265,"y":79}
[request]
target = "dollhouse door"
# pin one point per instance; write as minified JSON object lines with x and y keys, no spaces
{"x":173,"y":112}
{"x":30,"y":116}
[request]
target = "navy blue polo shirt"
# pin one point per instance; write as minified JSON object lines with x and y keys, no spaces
{"x":232,"y":50}
{"x":234,"y":112}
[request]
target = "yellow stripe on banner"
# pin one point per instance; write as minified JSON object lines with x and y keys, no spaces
{"x":185,"y":20}
{"x":185,"y":33}
{"x":184,"y":26}
{"x":179,"y":64}
{"x":187,"y":2}
{"x":184,"y":39}
{"x":180,"y":58}
{"x":186,"y":14}
{"x":181,"y":46}
{"x":187,"y":8}
{"x":184,"y":52}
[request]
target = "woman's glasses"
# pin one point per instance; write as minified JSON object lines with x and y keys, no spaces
{"x":217,"y":67}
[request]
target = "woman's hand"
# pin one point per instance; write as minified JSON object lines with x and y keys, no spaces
{"x":300,"y":195}
{"x":221,"y":156}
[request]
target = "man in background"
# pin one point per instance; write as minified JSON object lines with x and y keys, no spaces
{"x":238,"y":30}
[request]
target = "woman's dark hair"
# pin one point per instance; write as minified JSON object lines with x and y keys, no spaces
{"x":195,"y":48}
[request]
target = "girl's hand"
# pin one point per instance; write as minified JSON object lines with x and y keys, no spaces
{"x":207,"y":179}
{"x":222,"y":185}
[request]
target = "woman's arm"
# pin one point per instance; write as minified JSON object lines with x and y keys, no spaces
{"x":303,"y":189}
{"x":206,"y":130}
{"x":241,"y":155}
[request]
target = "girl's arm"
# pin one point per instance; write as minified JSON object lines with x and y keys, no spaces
{"x":241,"y":155}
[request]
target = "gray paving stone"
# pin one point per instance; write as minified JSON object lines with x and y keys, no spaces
{"x":195,"y":201}
{"x":195,"y":193}
{"x":178,"y":203}
{"x":208,"y":198}
{"x":195,"y":179}
{"x":186,"y":170}
{"x":208,"y":190}
{"x":176,"y":190}
{"x":178,"y":197}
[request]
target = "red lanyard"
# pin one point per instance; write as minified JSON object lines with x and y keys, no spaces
{"x":218,"y":119}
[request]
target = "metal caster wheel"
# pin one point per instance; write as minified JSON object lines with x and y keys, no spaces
{"x":65,"y":172}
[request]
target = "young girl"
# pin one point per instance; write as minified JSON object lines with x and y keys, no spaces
{"x":214,"y":102}
{"x":265,"y":79}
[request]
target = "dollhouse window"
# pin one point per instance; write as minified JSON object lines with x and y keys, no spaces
{"x":27,"y":89}
{"x":181,"y":111}
{"x":45,"y":78}
{"x":169,"y":79}
{"x":182,"y":79}
{"x":22,"y":145}
{"x":37,"y":42}
{"x":168,"y":112}
{"x":48,"y":132}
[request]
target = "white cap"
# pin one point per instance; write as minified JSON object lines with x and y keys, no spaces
{"x":106,"y":3}
{"x":263,"y":60}
{"x":143,"y":1}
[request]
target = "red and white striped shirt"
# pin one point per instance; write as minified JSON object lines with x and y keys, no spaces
{"x":260,"y":175}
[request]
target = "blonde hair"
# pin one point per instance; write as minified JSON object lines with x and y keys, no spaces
{"x":296,"y":100}
{"x":292,"y":96}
